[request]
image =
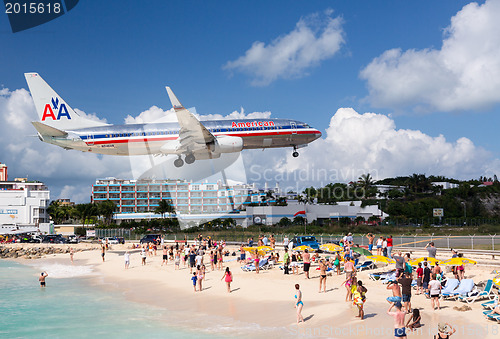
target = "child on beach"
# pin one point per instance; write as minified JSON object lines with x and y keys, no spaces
{"x":298,"y":303}
{"x":177,"y":259}
{"x":348,"y":286}
{"x":199,"y":276}
{"x":228,"y":278}
{"x":194,"y":278}
{"x":126,"y":256}
{"x":414,"y":321}
{"x":359,"y":298}
{"x":143,"y":257}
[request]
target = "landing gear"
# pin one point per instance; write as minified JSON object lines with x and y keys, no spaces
{"x":178,"y":162}
{"x":295,"y":153}
{"x":190,"y":159}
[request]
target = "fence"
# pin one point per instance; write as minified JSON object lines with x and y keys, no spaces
{"x":475,"y":242}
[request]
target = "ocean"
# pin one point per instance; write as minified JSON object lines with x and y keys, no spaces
{"x":72,"y":306}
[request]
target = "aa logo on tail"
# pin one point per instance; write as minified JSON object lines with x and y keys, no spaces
{"x":62,"y":111}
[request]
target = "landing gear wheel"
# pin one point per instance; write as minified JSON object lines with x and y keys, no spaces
{"x":189,"y":159}
{"x":295,"y":154}
{"x":178,"y":162}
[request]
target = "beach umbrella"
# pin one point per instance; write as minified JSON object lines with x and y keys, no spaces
{"x":254,"y":250}
{"x":331,"y":248}
{"x":380,"y":258}
{"x":431,"y":261}
{"x":303,"y":248}
{"x":496,"y":280}
{"x":459,"y":261}
{"x":265,"y":248}
{"x":360,"y":250}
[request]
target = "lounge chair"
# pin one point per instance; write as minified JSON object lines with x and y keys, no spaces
{"x":466,"y":286}
{"x":475,"y":295}
{"x":490,"y":304}
{"x":365,"y":266}
{"x":379,"y":275}
{"x":263,"y":265}
{"x":490,"y":315}
{"x":451,"y":285}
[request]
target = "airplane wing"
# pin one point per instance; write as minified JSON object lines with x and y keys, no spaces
{"x":193,"y":135}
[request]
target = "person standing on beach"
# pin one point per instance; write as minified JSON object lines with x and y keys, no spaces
{"x":384,"y":247}
{"x":399,"y":320}
{"x":228,"y":278}
{"x":371,"y":238}
{"x":143,"y":257}
{"x":194,"y":278}
{"x":126,"y":256}
{"x":396,"y":292}
{"x":435,"y":292}
{"x":431,"y":250}
{"x":192,"y":261}
{"x":177,"y":259}
{"x":426,"y":278}
{"x":400,"y":265}
{"x":360,"y":299}
{"x":286,"y":242}
{"x":405,"y":282}
{"x":103,"y":251}
{"x":307,"y":263}
{"x":273,"y":241}
{"x":389,"y":246}
{"x":256,"y":261}
{"x":298,"y":303}
{"x":42,"y":277}
{"x":420,"y":277}
{"x":286,"y":261}
{"x":71,"y":253}
{"x":380,"y":241}
{"x":322,"y":275}
{"x":165,"y":256}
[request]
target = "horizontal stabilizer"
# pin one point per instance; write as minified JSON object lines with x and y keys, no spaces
{"x":46,"y":130}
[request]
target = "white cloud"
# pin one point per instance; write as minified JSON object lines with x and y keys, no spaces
{"x":315,"y":38}
{"x":359,"y":143}
{"x":90,"y":116}
{"x":464,"y":74}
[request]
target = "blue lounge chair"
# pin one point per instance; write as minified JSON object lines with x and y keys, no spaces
{"x":466,"y":286}
{"x":380,"y":275}
{"x":365,"y":266}
{"x":448,"y":290}
{"x":490,"y":304}
{"x":475,"y":295}
{"x":490,"y":315}
{"x":263,"y":265}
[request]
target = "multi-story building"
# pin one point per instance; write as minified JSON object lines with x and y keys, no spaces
{"x":139,"y":196}
{"x":23,"y":202}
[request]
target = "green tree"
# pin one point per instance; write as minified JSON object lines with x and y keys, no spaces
{"x":164,"y":206}
{"x":106,"y":209}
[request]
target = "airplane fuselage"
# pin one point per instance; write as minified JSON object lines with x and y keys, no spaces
{"x":140,"y":139}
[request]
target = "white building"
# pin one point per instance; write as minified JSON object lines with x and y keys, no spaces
{"x":23,"y":203}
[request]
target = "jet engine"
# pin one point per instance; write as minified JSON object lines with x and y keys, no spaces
{"x":226,"y":144}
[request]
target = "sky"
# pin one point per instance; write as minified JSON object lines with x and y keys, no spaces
{"x":396,"y":87}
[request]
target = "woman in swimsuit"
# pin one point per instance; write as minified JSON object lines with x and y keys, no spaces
{"x":228,"y":278}
{"x":322,"y":275}
{"x":199,"y":276}
{"x":336,"y":263}
{"x":256,"y":261}
{"x":445,"y":331}
{"x":165,"y":256}
{"x":219,"y":259}
{"x":298,"y":303}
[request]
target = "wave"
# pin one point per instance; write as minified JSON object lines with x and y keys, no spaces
{"x":61,"y":271}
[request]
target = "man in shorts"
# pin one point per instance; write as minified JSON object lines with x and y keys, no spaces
{"x":307,"y":262}
{"x":405,"y":282}
{"x":41,"y":279}
{"x":192,"y":261}
{"x":399,"y":320}
{"x":396,"y":292}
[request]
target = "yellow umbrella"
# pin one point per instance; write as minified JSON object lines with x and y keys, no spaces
{"x":331,"y":248}
{"x":303,"y":248}
{"x":496,"y":280}
{"x":459,"y":261}
{"x":431,"y":261}
{"x":380,"y":258}
{"x":265,"y":248}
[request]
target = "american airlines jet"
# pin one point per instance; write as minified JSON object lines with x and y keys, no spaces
{"x":189,"y":137}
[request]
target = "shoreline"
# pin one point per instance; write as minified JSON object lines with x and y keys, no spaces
{"x":263,"y":304}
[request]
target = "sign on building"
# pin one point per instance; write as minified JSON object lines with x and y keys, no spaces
{"x":90,"y":233}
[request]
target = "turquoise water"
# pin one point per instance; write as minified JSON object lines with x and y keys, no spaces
{"x":70,"y":307}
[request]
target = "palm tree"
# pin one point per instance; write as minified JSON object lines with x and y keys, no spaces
{"x":106,"y":210}
{"x":366,"y":181}
{"x":164,"y":206}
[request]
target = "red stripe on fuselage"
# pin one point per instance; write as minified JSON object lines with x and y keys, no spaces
{"x":242,"y":134}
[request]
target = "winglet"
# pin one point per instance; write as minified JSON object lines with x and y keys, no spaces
{"x":173,"y":99}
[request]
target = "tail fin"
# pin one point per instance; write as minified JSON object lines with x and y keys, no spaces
{"x":52,"y":110}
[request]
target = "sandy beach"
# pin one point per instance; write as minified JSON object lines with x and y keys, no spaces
{"x":263,"y":304}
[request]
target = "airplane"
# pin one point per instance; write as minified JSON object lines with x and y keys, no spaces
{"x":60,"y":125}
